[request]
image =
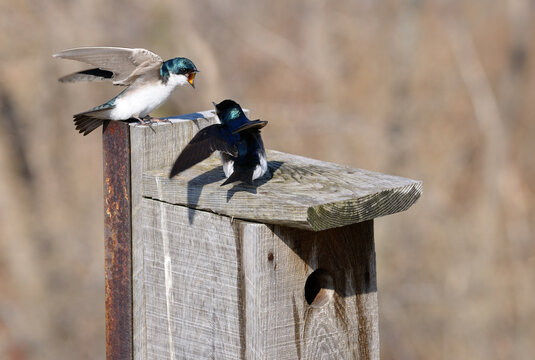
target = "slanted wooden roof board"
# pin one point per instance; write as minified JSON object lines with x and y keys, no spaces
{"x":298,"y":192}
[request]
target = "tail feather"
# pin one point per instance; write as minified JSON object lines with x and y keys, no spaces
{"x":243,"y":176}
{"x":86,"y":124}
{"x":90,"y":120}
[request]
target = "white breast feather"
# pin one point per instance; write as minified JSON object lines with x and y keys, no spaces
{"x":228,"y":167}
{"x":261,"y":168}
{"x":141,"y":101}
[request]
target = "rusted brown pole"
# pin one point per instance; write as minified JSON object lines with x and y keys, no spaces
{"x":117,"y":241}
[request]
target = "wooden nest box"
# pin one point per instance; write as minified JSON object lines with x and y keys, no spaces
{"x":281,"y":270}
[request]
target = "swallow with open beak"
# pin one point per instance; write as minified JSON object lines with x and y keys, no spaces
{"x":148,"y":79}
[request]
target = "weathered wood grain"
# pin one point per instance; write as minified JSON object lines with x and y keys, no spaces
{"x":192,"y":284}
{"x":223,"y":289}
{"x":298,"y":192}
{"x":342,"y":321}
{"x":152,"y":149}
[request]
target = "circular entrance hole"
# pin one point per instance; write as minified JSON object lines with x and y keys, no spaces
{"x":319,"y":288}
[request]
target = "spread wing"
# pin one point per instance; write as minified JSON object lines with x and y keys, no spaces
{"x":203,"y":144}
{"x":120,"y":65}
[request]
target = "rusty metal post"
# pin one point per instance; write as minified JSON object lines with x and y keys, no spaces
{"x":118,"y":240}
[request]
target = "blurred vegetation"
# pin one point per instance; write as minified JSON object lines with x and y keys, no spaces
{"x":440,"y":91}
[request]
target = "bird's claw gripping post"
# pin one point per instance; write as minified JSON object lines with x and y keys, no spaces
{"x":149,"y":121}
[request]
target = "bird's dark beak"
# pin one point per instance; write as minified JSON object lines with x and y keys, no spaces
{"x":191,"y":77}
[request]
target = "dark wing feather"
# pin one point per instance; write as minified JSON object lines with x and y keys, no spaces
{"x":255,"y":124}
{"x":203,"y":144}
{"x":127,"y":65}
{"x":87,"y":75}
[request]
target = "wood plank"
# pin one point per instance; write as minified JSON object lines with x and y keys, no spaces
{"x":192,"y":283}
{"x":298,"y":192}
{"x":153,"y":149}
{"x":342,"y":321}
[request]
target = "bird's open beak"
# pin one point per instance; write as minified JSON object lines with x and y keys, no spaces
{"x":191,"y":77}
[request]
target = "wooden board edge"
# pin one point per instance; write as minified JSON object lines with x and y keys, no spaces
{"x":347,"y":212}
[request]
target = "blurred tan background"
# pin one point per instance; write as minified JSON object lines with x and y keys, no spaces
{"x":441,"y":91}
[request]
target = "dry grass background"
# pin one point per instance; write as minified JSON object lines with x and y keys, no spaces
{"x":441,"y":91}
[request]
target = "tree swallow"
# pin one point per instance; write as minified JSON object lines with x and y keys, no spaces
{"x":238,"y":141}
{"x":149,"y":81}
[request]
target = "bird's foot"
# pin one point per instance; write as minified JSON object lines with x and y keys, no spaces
{"x":159,"y":120}
{"x":147,"y":120}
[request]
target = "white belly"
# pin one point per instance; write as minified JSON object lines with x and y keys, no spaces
{"x":261,"y":168}
{"x":140,"y":102}
{"x":228,"y":166}
{"x":259,"y":171}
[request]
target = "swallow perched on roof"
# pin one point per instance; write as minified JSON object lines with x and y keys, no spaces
{"x":238,"y":141}
{"x":149,"y":81}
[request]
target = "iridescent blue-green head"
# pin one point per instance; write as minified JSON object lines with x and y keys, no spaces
{"x":179,"y":66}
{"x":228,"y":111}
